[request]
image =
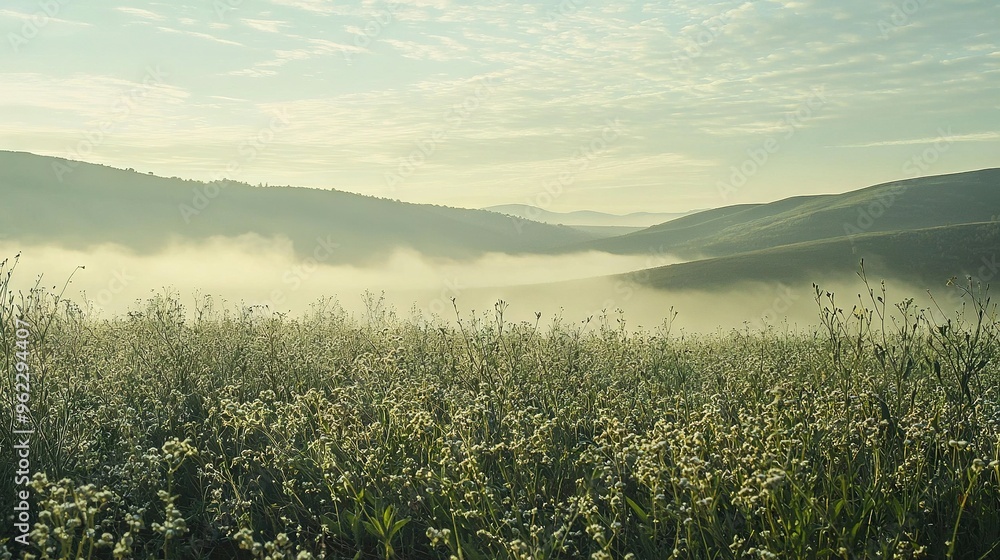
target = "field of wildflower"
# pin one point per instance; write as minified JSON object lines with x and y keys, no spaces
{"x":198,"y":432}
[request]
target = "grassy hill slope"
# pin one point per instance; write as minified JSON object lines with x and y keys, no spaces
{"x":925,"y":202}
{"x":927,"y":257}
{"x":95,"y":204}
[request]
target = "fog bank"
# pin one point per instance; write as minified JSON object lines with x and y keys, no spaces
{"x":251,"y":270}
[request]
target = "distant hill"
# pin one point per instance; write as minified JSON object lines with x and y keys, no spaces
{"x":920,"y":203}
{"x":585,"y":217}
{"x":927,"y":257}
{"x":604,"y":232}
{"x":96,"y":204}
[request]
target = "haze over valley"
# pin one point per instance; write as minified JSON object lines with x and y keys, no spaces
{"x":286,"y":248}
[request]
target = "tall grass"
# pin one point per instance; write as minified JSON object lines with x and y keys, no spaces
{"x":176,"y":433}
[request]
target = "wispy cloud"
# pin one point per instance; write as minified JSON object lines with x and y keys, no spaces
{"x":140,"y":13}
{"x":12,"y":14}
{"x":324,"y":7}
{"x":971,"y":137}
{"x":447,"y":50}
{"x":265,"y":25}
{"x":253,"y":72}
{"x":313,"y":48}
{"x":200,"y":35}
{"x":85,"y":96}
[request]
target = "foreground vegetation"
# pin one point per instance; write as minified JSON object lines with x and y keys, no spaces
{"x":192,"y":433}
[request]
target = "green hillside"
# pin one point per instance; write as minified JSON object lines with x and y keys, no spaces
{"x":926,"y":256}
{"x":925,"y":202}
{"x":96,"y":204}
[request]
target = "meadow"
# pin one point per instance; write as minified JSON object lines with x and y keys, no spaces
{"x":195,"y":431}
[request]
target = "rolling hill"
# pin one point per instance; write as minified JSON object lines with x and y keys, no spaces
{"x":920,"y":203}
{"x":926,"y":257}
{"x":80,"y":205}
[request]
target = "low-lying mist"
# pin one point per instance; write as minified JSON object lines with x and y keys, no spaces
{"x":251,"y":270}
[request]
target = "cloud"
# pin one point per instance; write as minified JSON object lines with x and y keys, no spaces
{"x":140,"y":13}
{"x":447,"y":50}
{"x":200,"y":35}
{"x":322,"y":7}
{"x":971,"y":137}
{"x":86,"y":96}
{"x":265,"y":25}
{"x":253,"y":73}
{"x":314,"y":48}
{"x":11,"y":14}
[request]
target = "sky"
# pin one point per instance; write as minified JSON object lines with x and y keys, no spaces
{"x":574,"y":105}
